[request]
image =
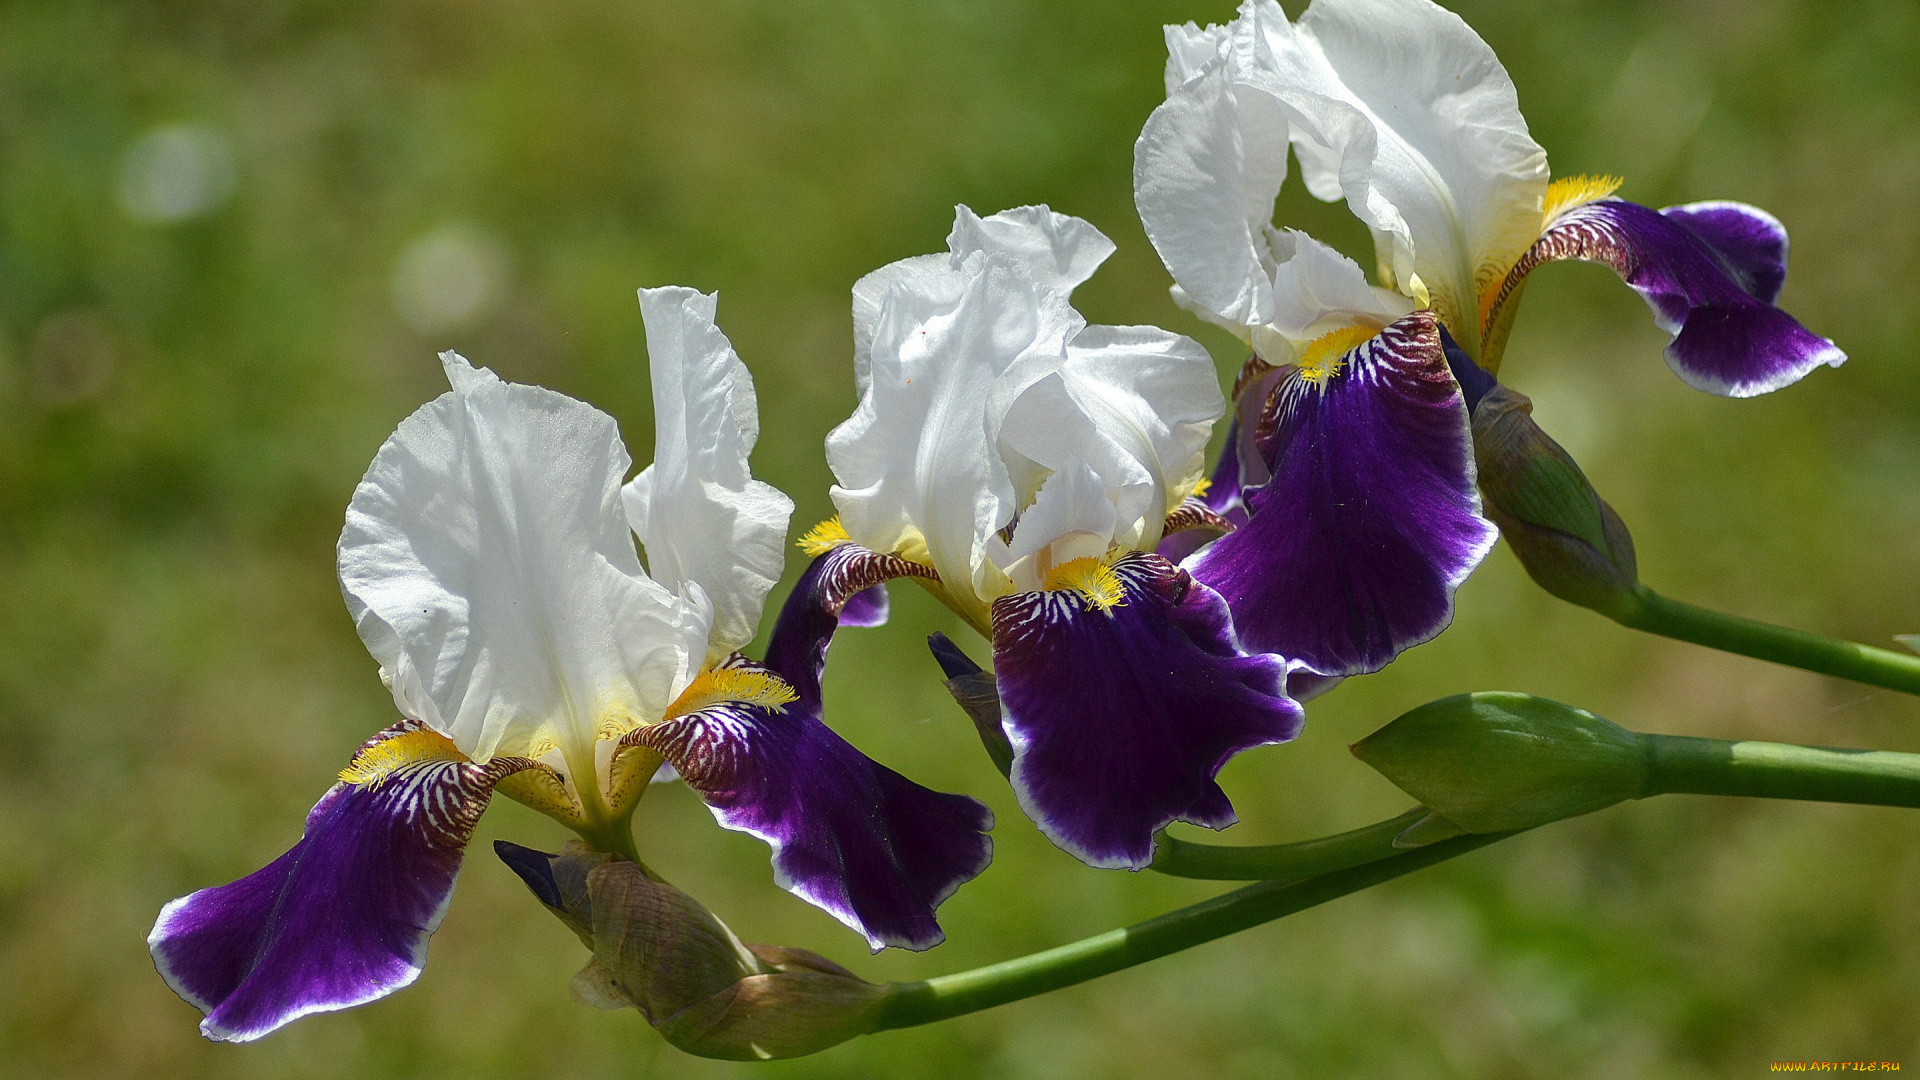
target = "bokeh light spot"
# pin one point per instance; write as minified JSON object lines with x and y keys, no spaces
{"x":452,"y":276}
{"x":175,"y":173}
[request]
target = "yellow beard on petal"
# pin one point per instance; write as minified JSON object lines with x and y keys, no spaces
{"x":746,"y":686}
{"x":1325,"y":355}
{"x":375,"y":763}
{"x":1570,"y":191}
{"x":824,"y":537}
{"x":1092,"y":578}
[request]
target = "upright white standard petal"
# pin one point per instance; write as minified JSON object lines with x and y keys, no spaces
{"x":1136,"y":405}
{"x":928,"y":274}
{"x":702,"y":516}
{"x":1060,"y":252}
{"x":1206,"y":169}
{"x":915,"y":463}
{"x":1400,"y":107}
{"x":1057,"y":250}
{"x":491,"y":572}
{"x":985,"y":385}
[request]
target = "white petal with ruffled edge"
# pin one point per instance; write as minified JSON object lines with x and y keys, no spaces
{"x":698,"y":510}
{"x":1137,"y":404}
{"x":1060,"y":251}
{"x":914,"y":462}
{"x":491,"y":572}
{"x":1400,"y":107}
{"x":1204,"y":181}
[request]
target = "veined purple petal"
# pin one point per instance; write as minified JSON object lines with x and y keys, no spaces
{"x":851,"y":836}
{"x":344,"y":917}
{"x":1710,"y":272}
{"x":1120,"y":716}
{"x":1750,"y":243}
{"x":1371,"y":520}
{"x":836,"y":590}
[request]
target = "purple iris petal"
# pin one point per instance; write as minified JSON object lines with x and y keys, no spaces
{"x":341,"y":919}
{"x":1121,"y":717}
{"x":1710,"y":272}
{"x":866,"y":608}
{"x":1750,"y":243}
{"x":837,"y":589}
{"x":1371,"y":520}
{"x":851,"y":836}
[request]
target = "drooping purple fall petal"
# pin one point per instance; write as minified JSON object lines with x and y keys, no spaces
{"x":1371,"y":520}
{"x":841,"y":587}
{"x":344,"y":917}
{"x":1710,"y":272}
{"x":851,"y":836}
{"x":1121,"y":714}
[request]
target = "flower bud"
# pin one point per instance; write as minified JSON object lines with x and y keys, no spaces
{"x":1568,"y":538}
{"x":658,"y":950}
{"x":1495,"y":761}
{"x":978,"y":695}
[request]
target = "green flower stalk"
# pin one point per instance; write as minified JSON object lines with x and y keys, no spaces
{"x":1495,"y":762}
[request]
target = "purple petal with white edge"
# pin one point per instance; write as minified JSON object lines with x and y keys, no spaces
{"x":344,"y":917}
{"x":1371,"y":520}
{"x":1710,"y":272}
{"x":851,"y":836}
{"x":836,"y":590}
{"x":1750,"y":243}
{"x":1121,"y":716}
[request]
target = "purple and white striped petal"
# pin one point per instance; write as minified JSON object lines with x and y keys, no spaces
{"x":1122,"y":707}
{"x":344,"y":917}
{"x":843,"y":586}
{"x":1710,"y":272}
{"x":1371,"y":520}
{"x":850,"y":836}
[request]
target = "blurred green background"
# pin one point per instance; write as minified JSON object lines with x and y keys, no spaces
{"x":233,"y":235}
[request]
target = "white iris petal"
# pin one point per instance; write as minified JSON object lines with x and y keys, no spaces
{"x":983,"y":383}
{"x":702,"y":516}
{"x":490,"y":565}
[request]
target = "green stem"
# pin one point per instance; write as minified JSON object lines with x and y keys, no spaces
{"x":948,"y":996}
{"x":1655,"y":614}
{"x":1282,"y":862}
{"x":1678,"y":764}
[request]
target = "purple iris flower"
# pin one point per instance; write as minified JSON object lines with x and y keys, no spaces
{"x":1351,"y":446}
{"x":489,"y":562}
{"x":1022,"y":466}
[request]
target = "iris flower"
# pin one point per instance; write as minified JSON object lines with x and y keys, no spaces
{"x":1351,"y":430}
{"x":1023,"y":465}
{"x":489,"y":564}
